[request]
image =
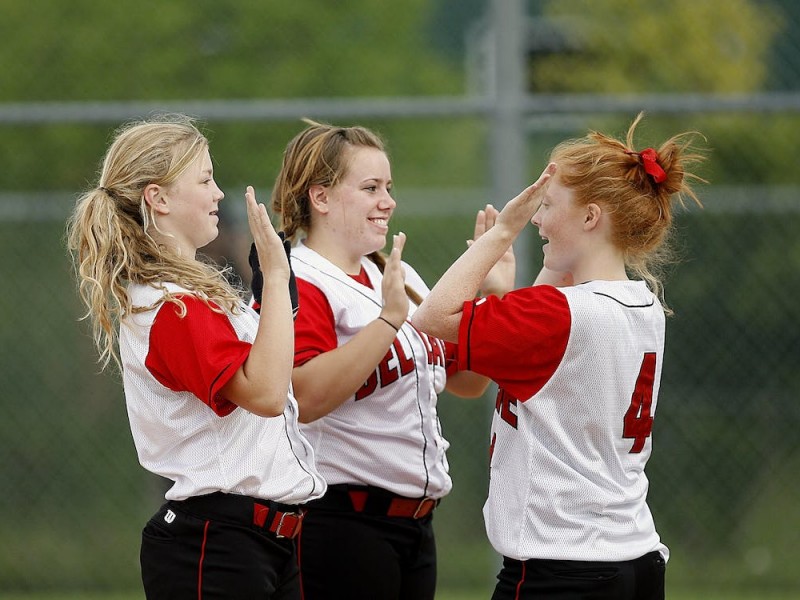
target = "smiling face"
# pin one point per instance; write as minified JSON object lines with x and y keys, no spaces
{"x":354,"y":214}
{"x":188,"y":207}
{"x":561,"y":224}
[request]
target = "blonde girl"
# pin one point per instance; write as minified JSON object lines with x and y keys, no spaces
{"x":206,"y":381}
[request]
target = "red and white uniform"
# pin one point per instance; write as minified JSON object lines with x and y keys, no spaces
{"x":578,"y":370}
{"x":183,"y":429}
{"x":388,"y":434}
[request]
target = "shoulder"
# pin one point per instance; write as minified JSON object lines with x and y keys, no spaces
{"x":538,"y":294}
{"x":308,"y":290}
{"x":303,"y":257}
{"x":542,"y":306}
{"x":626,"y":294}
{"x":152,"y":292}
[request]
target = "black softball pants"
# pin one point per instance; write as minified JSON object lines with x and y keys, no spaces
{"x":638,"y":579}
{"x":348,"y":555}
{"x":209,"y":547}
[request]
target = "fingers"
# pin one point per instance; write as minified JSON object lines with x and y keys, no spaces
{"x":398,"y":243}
{"x":393,"y":262}
{"x":257,"y":214}
{"x":491,"y":216}
{"x":549,"y":172}
{"x":254,"y":214}
{"x":484,"y":221}
{"x":271,"y":251}
{"x":480,"y":224}
{"x":395,"y":299}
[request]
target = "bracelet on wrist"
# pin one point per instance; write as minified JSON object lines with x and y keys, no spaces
{"x":389,"y":323}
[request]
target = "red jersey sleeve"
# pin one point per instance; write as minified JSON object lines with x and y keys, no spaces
{"x":314,"y":327}
{"x":197,"y":353}
{"x":451,"y":358}
{"x":517,"y":341}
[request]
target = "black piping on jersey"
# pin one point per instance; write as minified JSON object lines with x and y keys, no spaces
{"x":623,"y":304}
{"x":289,"y":439}
{"x":469,"y":337}
{"x":413,"y":355}
{"x":213,"y":383}
{"x":297,"y":458}
{"x":421,"y":414}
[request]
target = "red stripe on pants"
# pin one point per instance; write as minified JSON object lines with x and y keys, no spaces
{"x":200,"y":565}
{"x":521,"y":581}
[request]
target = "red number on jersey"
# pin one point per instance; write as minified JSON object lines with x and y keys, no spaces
{"x":503,"y":404}
{"x":638,"y":422}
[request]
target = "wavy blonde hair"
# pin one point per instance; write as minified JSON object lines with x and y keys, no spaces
{"x":108,"y":233}
{"x":610,"y":173}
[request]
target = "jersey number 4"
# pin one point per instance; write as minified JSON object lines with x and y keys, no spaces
{"x":638,"y":422}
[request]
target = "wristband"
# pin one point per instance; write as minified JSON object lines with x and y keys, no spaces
{"x":389,"y":323}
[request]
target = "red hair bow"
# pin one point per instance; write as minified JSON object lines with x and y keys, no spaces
{"x":651,"y":166}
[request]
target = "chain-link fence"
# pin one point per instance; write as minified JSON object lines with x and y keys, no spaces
{"x":432,"y":79}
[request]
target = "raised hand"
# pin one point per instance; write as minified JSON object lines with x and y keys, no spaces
{"x":520,"y":210}
{"x":500,"y":279}
{"x":272,"y":256}
{"x":393,"y":288}
{"x":257,"y":281}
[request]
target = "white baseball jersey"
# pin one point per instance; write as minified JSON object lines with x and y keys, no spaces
{"x":578,"y":370}
{"x":183,"y":429}
{"x":388,"y":434}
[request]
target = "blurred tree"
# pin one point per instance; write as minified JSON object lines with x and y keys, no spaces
{"x":717,"y":46}
{"x":651,"y":47}
{"x":92,"y":50}
{"x":88,"y":50}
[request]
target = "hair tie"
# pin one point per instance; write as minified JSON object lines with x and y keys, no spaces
{"x":650,"y":163}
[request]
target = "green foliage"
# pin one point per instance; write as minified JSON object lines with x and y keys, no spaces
{"x":188,"y":50}
{"x":649,"y":47}
{"x":722,"y":486}
{"x":90,"y":50}
{"x":717,"y":47}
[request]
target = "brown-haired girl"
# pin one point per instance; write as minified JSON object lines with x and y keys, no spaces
{"x":365,"y":379}
{"x":578,"y":368}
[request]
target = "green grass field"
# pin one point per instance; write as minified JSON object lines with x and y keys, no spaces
{"x":444,"y":595}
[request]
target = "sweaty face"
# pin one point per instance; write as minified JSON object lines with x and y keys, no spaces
{"x":361,"y":204}
{"x":560,"y":224}
{"x":193,"y":203}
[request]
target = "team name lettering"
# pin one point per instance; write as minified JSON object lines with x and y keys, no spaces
{"x":503,"y":405}
{"x":397,"y":363}
{"x":394,"y":365}
{"x":435,"y":348}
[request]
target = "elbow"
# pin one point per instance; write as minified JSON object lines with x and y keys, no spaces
{"x":438,"y":323}
{"x":469,"y":393}
{"x":422,"y":320}
{"x":306,"y":417}
{"x":466,"y":384}
{"x":441,"y":328}
{"x":310,"y":408}
{"x":273,"y":407}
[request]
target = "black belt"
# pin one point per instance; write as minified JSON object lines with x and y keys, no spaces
{"x":375,"y":501}
{"x":284,"y":520}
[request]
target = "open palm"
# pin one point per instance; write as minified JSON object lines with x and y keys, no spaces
{"x":500,"y":279}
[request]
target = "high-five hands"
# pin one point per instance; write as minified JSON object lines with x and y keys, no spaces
{"x":520,"y":210}
{"x":265,"y":251}
{"x":500,"y":279}
{"x":393,"y":288}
